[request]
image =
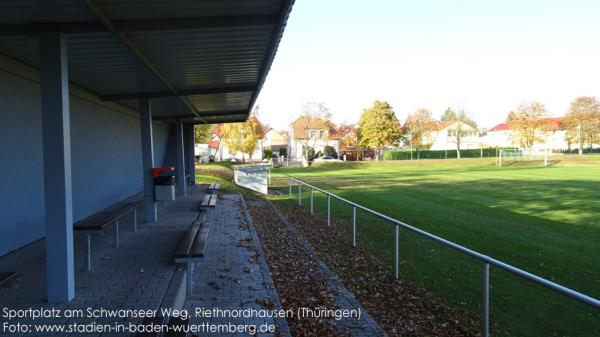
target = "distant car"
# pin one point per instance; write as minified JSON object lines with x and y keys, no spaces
{"x":325,"y":159}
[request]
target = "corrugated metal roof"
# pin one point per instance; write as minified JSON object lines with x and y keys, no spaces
{"x":152,"y":9}
{"x":198,"y":60}
{"x":43,"y":11}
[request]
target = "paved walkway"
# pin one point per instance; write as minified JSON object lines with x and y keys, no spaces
{"x":141,"y":273}
{"x":233,"y":276}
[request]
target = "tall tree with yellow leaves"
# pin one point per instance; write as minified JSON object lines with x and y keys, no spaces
{"x":242,"y":137}
{"x":583,"y":121}
{"x":418,"y":127}
{"x":378,"y":127}
{"x":529,"y":124}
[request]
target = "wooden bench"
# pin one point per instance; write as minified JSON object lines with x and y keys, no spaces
{"x":7,"y":277}
{"x":210,"y":200}
{"x":214,"y":187}
{"x":108,"y":216}
{"x":191,"y":249}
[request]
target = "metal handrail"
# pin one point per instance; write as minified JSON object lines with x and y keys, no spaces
{"x":484,"y":258}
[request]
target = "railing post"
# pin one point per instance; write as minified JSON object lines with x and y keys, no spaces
{"x":353,"y":226}
{"x":312,"y":193}
{"x":485,"y":305}
{"x":299,"y":194}
{"x":328,"y":209}
{"x":396,"y":251}
{"x":290,"y":186}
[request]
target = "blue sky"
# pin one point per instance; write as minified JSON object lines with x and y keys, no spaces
{"x":484,"y":56}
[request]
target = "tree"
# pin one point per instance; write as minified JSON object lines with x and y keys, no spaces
{"x":253,"y":133}
{"x":448,"y":115}
{"x":203,"y":133}
{"x":583,"y":121}
{"x":242,"y":137}
{"x":461,"y":119}
{"x":417,"y":128}
{"x":378,"y":127}
{"x":232,"y":137}
{"x":528,"y":123}
{"x":348,"y":136}
{"x":510,"y":116}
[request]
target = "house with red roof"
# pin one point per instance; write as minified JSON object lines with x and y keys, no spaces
{"x":500,"y":135}
{"x":554,"y":134}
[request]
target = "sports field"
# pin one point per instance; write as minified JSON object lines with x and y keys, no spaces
{"x":543,"y":220}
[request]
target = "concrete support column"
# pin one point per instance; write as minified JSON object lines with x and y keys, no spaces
{"x":147,"y":159}
{"x":180,"y":164}
{"x":54,"y":85}
{"x":191,"y":152}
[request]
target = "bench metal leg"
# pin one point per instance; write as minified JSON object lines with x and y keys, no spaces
{"x":190,"y":273}
{"x":88,"y":252}
{"x":135,"y":220}
{"x":116,"y":234}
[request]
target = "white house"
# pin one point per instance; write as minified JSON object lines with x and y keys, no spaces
{"x":500,"y":135}
{"x":554,"y":136}
{"x":315,"y":133}
{"x":275,"y":141}
{"x":201,"y":152}
{"x":444,"y":136}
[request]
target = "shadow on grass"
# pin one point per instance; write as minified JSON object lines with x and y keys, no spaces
{"x":504,"y":218}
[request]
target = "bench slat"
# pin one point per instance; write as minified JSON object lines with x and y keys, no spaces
{"x":200,"y":242}
{"x":185,"y":245}
{"x":205,"y":200}
{"x":99,"y":220}
{"x":110,"y":218}
{"x":7,"y":277}
{"x":213,"y":200}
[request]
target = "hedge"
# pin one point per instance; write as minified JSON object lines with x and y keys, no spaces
{"x":439,"y":154}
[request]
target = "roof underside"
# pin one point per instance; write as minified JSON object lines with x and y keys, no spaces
{"x":199,"y":61}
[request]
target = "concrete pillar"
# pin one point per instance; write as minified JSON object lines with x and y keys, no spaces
{"x":180,"y":164}
{"x":191,"y":152}
{"x":147,"y":159}
{"x":56,"y":133}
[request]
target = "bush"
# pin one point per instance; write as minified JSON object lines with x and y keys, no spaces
{"x":283,"y":152}
{"x":309,"y":152}
{"x":330,"y":152}
{"x":267,"y":154}
{"x":319,"y":154}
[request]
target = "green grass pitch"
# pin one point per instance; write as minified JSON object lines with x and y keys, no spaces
{"x":543,"y":220}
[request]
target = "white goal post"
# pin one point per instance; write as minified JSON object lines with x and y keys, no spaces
{"x":506,"y":156}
